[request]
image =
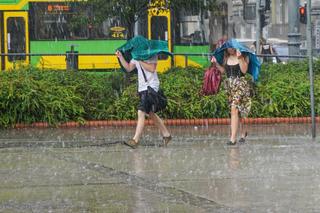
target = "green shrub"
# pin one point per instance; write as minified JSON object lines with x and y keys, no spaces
{"x":30,"y":95}
{"x":282,"y":90}
{"x":26,"y":96}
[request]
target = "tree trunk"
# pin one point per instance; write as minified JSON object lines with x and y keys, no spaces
{"x":130,"y":27}
{"x":129,"y":21}
{"x":213,"y":37}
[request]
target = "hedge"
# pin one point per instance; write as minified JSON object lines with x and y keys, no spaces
{"x":31,"y":95}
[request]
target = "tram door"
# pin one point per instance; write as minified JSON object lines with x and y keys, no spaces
{"x":159,"y":28}
{"x":16,"y":38}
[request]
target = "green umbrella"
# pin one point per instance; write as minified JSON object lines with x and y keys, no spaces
{"x":140,"y":48}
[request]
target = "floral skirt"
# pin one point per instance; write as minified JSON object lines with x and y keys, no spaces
{"x":239,"y":94}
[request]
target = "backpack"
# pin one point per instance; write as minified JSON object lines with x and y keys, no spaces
{"x":211,"y":81}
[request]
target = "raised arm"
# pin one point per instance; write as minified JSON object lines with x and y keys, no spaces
{"x":214,"y":61}
{"x":128,"y":66}
{"x":243,"y":62}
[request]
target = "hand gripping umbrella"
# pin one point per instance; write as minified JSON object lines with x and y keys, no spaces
{"x":254,"y":63}
{"x":140,"y":48}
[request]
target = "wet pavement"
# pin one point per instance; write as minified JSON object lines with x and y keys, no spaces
{"x":90,"y":170}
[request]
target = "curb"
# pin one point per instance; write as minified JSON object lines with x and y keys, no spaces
{"x":171,"y":122}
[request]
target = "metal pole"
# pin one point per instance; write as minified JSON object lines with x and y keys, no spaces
{"x":186,"y":61}
{"x":258,"y":26}
{"x":294,"y":27}
{"x":72,"y":57}
{"x":309,"y":40}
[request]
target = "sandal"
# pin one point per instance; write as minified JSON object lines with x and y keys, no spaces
{"x":230,"y":143}
{"x":166,"y":140}
{"x":243,"y":139}
{"x":131,"y":143}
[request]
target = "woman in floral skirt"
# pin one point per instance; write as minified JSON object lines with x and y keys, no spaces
{"x":235,"y":65}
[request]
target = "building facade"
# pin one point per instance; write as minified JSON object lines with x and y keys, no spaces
{"x":278,"y":20}
{"x":229,"y":20}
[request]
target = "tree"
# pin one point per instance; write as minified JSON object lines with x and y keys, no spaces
{"x":219,"y":14}
{"x":130,"y":11}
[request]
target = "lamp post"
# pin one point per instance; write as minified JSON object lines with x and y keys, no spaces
{"x":258,"y":26}
{"x":311,"y":76}
{"x":294,"y":28}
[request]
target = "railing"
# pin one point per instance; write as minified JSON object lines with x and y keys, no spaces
{"x":187,"y":55}
{"x":72,"y":57}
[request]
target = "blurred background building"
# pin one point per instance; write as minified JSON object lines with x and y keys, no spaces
{"x":209,"y":26}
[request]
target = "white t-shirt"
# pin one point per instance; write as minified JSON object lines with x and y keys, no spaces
{"x":152,"y":77}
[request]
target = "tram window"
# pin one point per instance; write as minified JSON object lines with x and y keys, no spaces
{"x":159,"y":31}
{"x":62,"y":21}
{"x":16,"y":37}
{"x":50,"y":21}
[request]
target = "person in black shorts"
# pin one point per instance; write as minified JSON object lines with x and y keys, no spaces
{"x":145,"y":108}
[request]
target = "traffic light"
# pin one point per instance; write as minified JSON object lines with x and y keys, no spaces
{"x":264,"y":20}
{"x":303,"y":14}
{"x":268,"y":5}
{"x":265,"y":5}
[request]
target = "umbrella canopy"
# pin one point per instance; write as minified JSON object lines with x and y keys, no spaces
{"x":140,"y":48}
{"x":254,"y":63}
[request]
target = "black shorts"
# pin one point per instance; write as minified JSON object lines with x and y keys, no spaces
{"x":144,"y":105}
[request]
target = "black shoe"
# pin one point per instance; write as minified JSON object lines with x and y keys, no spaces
{"x":230,"y":143}
{"x":242,"y":140}
{"x":131,"y":143}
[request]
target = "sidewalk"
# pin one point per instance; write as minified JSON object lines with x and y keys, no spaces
{"x":277,"y":170}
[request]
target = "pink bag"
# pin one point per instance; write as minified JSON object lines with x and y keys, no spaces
{"x":211,"y":81}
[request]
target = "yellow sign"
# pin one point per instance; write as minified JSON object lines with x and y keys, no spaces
{"x":117,"y":35}
{"x":117,"y":29}
{"x":159,"y":3}
{"x":117,"y":32}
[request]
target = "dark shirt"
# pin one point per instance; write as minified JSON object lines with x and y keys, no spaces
{"x":266,"y":49}
{"x":233,"y":71}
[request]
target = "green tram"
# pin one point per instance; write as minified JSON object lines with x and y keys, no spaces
{"x":45,"y":27}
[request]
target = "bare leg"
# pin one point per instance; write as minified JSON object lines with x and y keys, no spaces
{"x":234,"y":123}
{"x":243,"y":128}
{"x":160,"y":124}
{"x":140,"y":125}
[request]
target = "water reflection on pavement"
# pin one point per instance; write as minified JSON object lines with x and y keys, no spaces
{"x":89,"y":170}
